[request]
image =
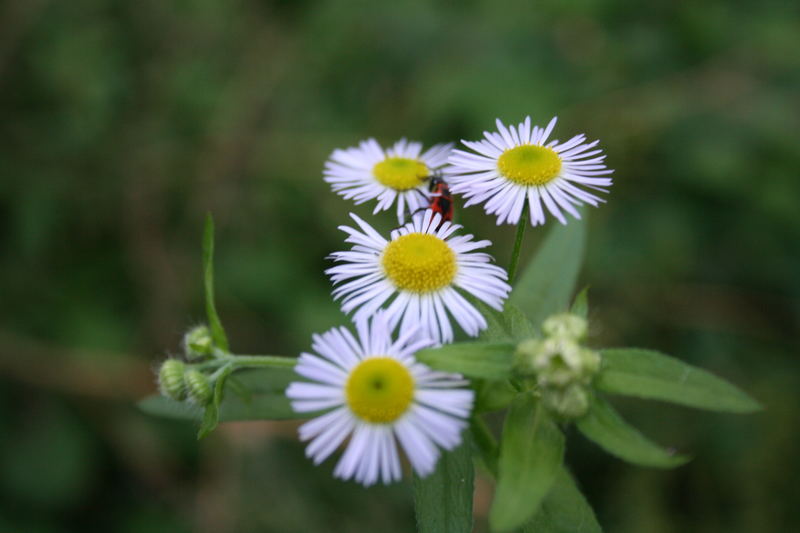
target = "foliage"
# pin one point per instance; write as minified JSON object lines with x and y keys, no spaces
{"x":531,"y":451}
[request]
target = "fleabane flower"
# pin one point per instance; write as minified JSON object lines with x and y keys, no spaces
{"x":399,"y":173}
{"x":377,"y":394}
{"x":518,"y":164}
{"x":419,"y":272}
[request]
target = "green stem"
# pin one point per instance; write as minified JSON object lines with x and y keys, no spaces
{"x":274,"y":361}
{"x":486,"y":443}
{"x":247,"y":361}
{"x":213,"y":363}
{"x":523,"y":221}
{"x":218,"y":372}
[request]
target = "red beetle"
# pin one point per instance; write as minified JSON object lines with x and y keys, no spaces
{"x":441,"y":200}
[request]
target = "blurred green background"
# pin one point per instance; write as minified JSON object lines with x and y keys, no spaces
{"x":124,"y":122}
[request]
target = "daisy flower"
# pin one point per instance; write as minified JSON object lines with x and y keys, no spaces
{"x":377,"y":394}
{"x":518,"y":164}
{"x":398,"y":173}
{"x":419,"y":269}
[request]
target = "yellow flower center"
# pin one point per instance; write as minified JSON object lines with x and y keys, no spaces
{"x":379,"y":390}
{"x":400,"y":173}
{"x":419,"y":262}
{"x":529,"y":164}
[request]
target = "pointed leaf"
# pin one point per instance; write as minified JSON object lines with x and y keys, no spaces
{"x":531,"y":453}
{"x":580,"y":305}
{"x":158,"y":405}
{"x":214,"y":323}
{"x":266,"y":399}
{"x":517,"y":324}
{"x":443,"y":500}
{"x":238,"y":388}
{"x":496,"y":329}
{"x":209,"y":422}
{"x":272,"y":379}
{"x":649,"y":374}
{"x":211,"y":415}
{"x":261,"y":406}
{"x":564,"y":510}
{"x":472,"y":359}
{"x":606,"y":428}
{"x":493,"y":395}
{"x":546,"y":284}
{"x":510,"y":325}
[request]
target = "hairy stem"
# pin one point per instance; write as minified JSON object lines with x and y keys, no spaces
{"x":246,"y":361}
{"x":274,"y":361}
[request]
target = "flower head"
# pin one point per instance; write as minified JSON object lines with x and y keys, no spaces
{"x":421,"y":269}
{"x":379,"y":395}
{"x":398,"y":173}
{"x":518,"y":164}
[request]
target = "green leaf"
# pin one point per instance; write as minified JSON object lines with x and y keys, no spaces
{"x":158,"y":405}
{"x":649,"y":374}
{"x":484,"y":444}
{"x":493,"y":395}
{"x":545,"y":286}
{"x":510,"y":325}
{"x":238,"y":388}
{"x":209,"y":422}
{"x":564,"y":510}
{"x":274,"y":406}
{"x":517,"y":324}
{"x":531,"y":453}
{"x":214,"y":323}
{"x":266,"y":380}
{"x":603,"y":425}
{"x":443,"y":500}
{"x":496,"y":329}
{"x":266,"y":399}
{"x":580,"y":305}
{"x":473,"y":359}
{"x":211,"y":415}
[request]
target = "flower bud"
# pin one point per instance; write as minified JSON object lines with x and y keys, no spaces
{"x":526,"y":353}
{"x":197,"y":342}
{"x":565,"y":325}
{"x":590,"y":363}
{"x":198,"y":386}
{"x":170,"y":379}
{"x":558,"y":362}
{"x":569,"y":403}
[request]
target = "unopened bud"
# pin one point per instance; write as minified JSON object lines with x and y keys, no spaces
{"x":198,"y":387}
{"x":197,"y":342}
{"x":565,"y":325}
{"x":569,"y":403}
{"x":590,"y":363}
{"x":558,"y":362}
{"x":526,"y":353}
{"x":170,"y":379}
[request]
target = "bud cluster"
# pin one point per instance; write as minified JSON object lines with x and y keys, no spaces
{"x":562,"y":366}
{"x":180,"y":381}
